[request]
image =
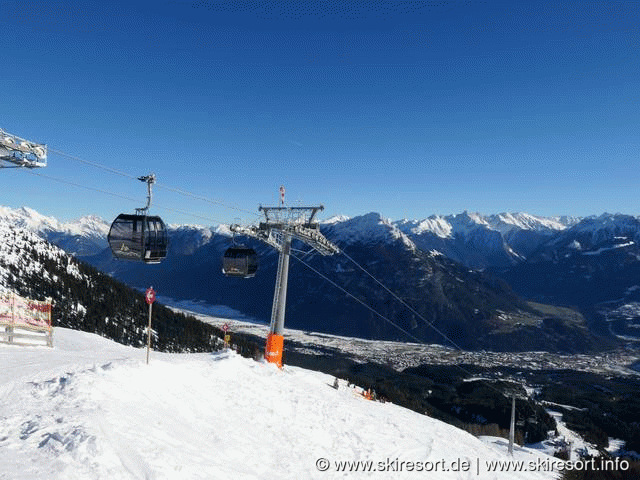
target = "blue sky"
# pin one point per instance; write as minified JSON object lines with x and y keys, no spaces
{"x":407,"y":108}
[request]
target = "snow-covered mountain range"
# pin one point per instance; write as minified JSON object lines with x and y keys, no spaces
{"x":472,"y":239}
{"x":470,"y":308}
{"x":475,"y":240}
{"x":84,"y":236}
{"x":551,"y":260}
{"x":480,"y":241}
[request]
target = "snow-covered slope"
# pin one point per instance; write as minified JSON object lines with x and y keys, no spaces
{"x":92,"y":409}
{"x":23,"y":253}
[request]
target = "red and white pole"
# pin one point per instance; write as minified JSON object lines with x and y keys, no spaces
{"x":150,"y":297}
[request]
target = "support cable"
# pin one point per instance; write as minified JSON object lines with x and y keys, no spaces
{"x":205,"y":199}
{"x":135,"y":200}
{"x":368,"y":307}
{"x":413,"y":310}
{"x":93,"y":164}
{"x":159,"y":185}
{"x":364,"y":304}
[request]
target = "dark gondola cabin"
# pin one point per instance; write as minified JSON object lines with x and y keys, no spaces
{"x":240,"y":261}
{"x":138,"y":237}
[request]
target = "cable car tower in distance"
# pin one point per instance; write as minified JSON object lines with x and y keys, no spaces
{"x":20,"y":152}
{"x":280,"y":226}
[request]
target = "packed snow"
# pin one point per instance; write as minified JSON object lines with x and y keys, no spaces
{"x":92,"y":409}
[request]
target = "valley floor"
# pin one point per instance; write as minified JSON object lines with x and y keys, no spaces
{"x":401,"y":355}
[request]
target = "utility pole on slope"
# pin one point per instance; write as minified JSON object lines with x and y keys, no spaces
{"x":513,"y":392}
{"x":512,"y":426}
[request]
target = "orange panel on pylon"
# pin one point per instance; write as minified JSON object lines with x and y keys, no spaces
{"x":273,"y":352}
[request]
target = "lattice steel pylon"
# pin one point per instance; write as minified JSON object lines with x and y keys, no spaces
{"x":18,"y":152}
{"x":282,"y":225}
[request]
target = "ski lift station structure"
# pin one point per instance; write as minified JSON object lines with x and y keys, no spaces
{"x":280,"y":226}
{"x":16,"y":152}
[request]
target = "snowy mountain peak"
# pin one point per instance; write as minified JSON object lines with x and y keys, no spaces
{"x":28,"y":218}
{"x":506,"y":222}
{"x":335,"y":219}
{"x":462,"y":224}
{"x":224,"y":230}
{"x":614,"y":223}
{"x":91,"y":224}
{"x":369,"y":228}
{"x":595,"y":231}
{"x":473,"y":217}
{"x":25,"y":217}
{"x":84,"y":236}
{"x":435,"y":224}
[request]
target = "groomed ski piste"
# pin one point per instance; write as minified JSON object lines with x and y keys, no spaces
{"x":89,"y":408}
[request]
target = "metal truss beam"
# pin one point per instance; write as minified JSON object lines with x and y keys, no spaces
{"x":20,"y":152}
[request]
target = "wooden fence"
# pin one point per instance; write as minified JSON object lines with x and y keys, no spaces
{"x":24,"y":321}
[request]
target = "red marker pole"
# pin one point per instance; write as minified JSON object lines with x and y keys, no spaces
{"x":225,"y":329}
{"x":150,"y":297}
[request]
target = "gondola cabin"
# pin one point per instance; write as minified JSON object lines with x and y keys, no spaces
{"x":240,"y":261}
{"x":138,"y":237}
